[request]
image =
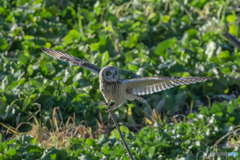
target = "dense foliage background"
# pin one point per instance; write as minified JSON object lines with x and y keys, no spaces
{"x":142,"y":38}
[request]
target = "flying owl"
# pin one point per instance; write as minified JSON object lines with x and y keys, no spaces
{"x":118,"y":90}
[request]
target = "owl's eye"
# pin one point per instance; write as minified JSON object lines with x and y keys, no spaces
{"x":108,"y":73}
{"x":115,"y":72}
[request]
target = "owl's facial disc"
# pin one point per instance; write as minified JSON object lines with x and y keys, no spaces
{"x":111,"y":74}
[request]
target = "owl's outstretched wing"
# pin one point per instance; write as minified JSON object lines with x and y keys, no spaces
{"x":71,"y":59}
{"x":149,"y":85}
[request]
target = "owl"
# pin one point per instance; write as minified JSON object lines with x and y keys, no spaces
{"x":118,"y":90}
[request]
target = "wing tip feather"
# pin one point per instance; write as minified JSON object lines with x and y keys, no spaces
{"x":43,"y":49}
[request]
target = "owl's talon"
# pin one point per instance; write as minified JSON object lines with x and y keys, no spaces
{"x":109,"y":109}
{"x":104,"y":103}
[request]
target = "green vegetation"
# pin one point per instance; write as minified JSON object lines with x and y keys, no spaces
{"x":198,"y":135}
{"x":141,"y":38}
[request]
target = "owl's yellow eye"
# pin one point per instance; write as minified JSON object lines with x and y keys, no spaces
{"x":115,"y":72}
{"x":108,"y":73}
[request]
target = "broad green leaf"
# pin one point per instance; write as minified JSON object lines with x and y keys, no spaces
{"x":233,"y":29}
{"x":133,"y":39}
{"x":61,"y":154}
{"x":47,"y":67}
{"x":224,"y":54}
{"x":24,"y":58}
{"x":231,"y":18}
{"x":162,"y":46}
{"x":129,"y":57}
{"x":53,"y":156}
{"x":151,"y":151}
{"x":106,"y":149}
{"x":11,"y":151}
{"x":3,"y":44}
{"x":90,"y":142}
{"x":124,"y":129}
{"x":165,"y":18}
{"x":132,"y":67}
{"x":231,"y":119}
{"x":28,"y":37}
{"x":105,"y":58}
{"x":30,"y":70}
{"x":72,"y":36}
{"x":21,"y":81}
{"x":4,"y":108}
{"x":189,"y":156}
{"x":94,"y":46}
{"x":89,"y":16}
{"x":216,"y":107}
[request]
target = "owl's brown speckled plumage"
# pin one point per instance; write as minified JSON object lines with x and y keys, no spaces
{"x":115,"y":91}
{"x":119,"y":90}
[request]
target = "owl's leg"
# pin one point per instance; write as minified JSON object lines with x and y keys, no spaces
{"x":131,"y":97}
{"x":109,"y":107}
{"x":107,"y":100}
{"x":140,"y":99}
{"x":113,"y":107}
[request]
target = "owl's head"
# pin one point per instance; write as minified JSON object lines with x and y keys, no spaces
{"x":110,"y":73}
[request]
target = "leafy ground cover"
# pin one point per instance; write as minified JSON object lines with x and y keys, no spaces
{"x":141,"y":38}
{"x":193,"y":138}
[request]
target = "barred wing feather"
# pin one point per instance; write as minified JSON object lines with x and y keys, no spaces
{"x":149,"y":85}
{"x":71,"y":59}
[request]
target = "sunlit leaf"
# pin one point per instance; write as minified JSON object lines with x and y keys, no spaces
{"x":165,"y":18}
{"x":3,"y":44}
{"x":72,"y":36}
{"x":231,"y":18}
{"x":105,"y":58}
{"x":11,"y":151}
{"x":233,"y":29}
{"x":162,"y":46}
